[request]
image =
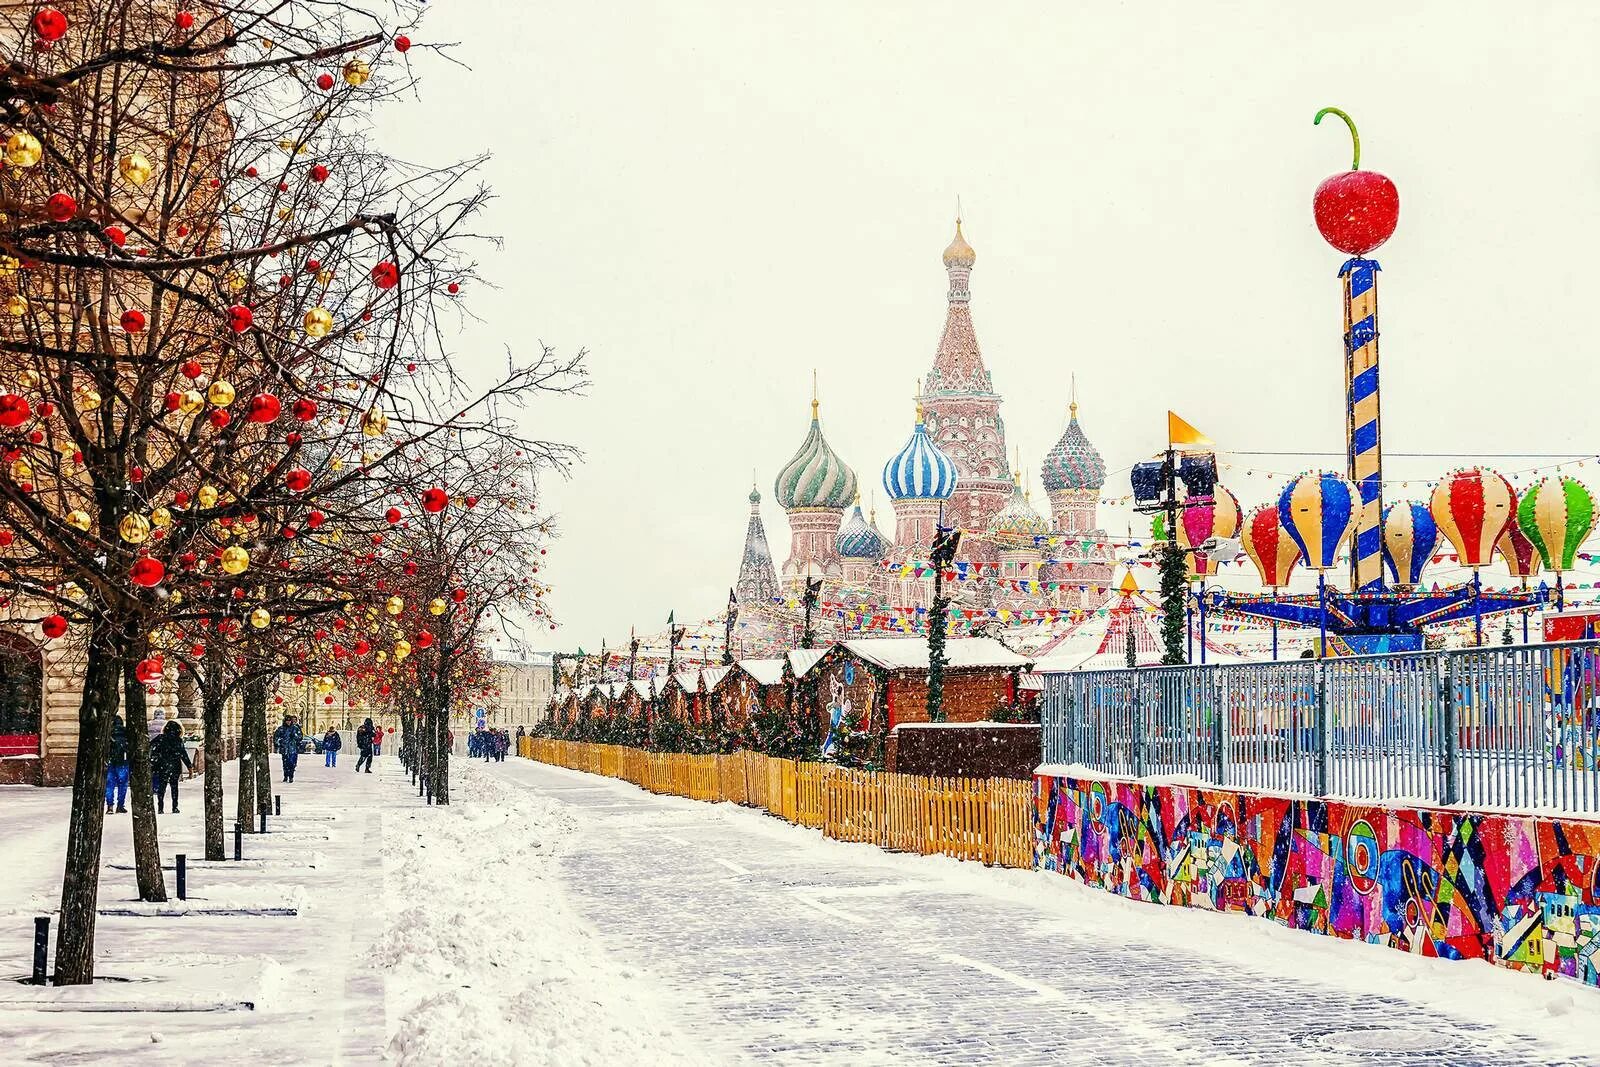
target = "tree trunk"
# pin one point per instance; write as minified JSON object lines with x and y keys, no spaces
{"x":80,"y":882}
{"x":245,"y":812}
{"x":439,"y":710}
{"x":146,"y":843}
{"x":261,"y":755}
{"x":211,"y":704}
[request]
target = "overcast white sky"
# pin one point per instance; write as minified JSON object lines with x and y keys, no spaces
{"x":714,"y":198}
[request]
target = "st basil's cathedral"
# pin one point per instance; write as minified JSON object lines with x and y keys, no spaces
{"x":952,"y":469}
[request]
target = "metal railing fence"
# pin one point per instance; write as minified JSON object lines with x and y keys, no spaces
{"x":1506,"y":726}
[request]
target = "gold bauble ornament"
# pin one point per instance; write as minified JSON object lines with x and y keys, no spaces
{"x":323,"y":685}
{"x":88,"y":399}
{"x":356,"y":72}
{"x":208,"y":496}
{"x":21,"y":470}
{"x":28,"y":379}
{"x":23,"y":149}
{"x":161,"y":517}
{"x":437,"y":606}
{"x":324,"y":276}
{"x":235,"y":560}
{"x":16,"y":307}
{"x":319,"y":322}
{"x":402,"y":649}
{"x":220,"y":393}
{"x":260,"y":618}
{"x":374,"y":423}
{"x":394,"y":605}
{"x":135,"y":529}
{"x":382,"y":656}
{"x":78,"y":519}
{"x":8,"y":266}
{"x":136,"y":168}
{"x":191,"y":401}
{"x":236,"y":282}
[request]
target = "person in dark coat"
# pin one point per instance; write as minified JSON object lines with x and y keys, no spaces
{"x":364,"y":734}
{"x":331,"y":743}
{"x":287,"y":740}
{"x":117,"y":766}
{"x":167,"y":756}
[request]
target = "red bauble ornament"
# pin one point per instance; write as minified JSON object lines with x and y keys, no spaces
{"x":218,"y":417}
{"x":191,"y":369}
{"x":53,"y":626}
{"x":148,"y":670}
{"x":173,"y":401}
{"x":452,"y":288}
{"x":49,"y":24}
{"x":472,"y":501}
{"x":183,"y":20}
{"x":324,"y":82}
{"x":14,"y":410}
{"x":298,"y":480}
{"x":304,"y":409}
{"x":434,"y":500}
{"x":115,"y":235}
{"x":60,"y":207}
{"x":386,"y":275}
{"x":424,"y":639}
{"x":6,"y":537}
{"x":392,"y":516}
{"x":315,"y":519}
{"x":458,"y":595}
{"x":1356,"y":211}
{"x":132,"y":320}
{"x":264,"y":407}
{"x":240,"y":318}
{"x":402,"y":43}
{"x":319,"y":173}
{"x":313,"y":265}
{"x":147,"y":572}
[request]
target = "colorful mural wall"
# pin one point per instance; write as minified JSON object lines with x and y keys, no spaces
{"x":1518,"y":890}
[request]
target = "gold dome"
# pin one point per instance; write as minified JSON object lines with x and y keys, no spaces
{"x":959,"y":253}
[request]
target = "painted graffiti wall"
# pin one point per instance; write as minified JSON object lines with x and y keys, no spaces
{"x":1517,"y":890}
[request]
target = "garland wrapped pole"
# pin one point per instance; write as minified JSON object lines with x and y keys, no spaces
{"x":942,"y":556}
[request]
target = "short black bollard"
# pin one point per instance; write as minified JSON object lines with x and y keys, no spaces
{"x":277,"y":804}
{"x":41,"y":948}
{"x":264,"y":810}
{"x":428,"y":787}
{"x":238,"y":840}
{"x":181,"y":862}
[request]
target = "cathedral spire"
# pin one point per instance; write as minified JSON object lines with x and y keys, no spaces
{"x":758,"y":578}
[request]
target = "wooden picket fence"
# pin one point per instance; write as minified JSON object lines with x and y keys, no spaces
{"x":989,"y":820}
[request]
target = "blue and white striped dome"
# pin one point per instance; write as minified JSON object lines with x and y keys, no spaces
{"x":860,"y":539}
{"x":920,"y":471}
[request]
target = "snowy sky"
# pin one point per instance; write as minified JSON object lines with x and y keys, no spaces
{"x":714,"y":198}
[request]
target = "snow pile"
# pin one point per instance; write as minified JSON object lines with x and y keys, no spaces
{"x":484,"y":961}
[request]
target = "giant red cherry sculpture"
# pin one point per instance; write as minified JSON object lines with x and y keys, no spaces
{"x":1358,"y":209}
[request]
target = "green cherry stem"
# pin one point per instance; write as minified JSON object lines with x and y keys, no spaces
{"x":1355,"y":163}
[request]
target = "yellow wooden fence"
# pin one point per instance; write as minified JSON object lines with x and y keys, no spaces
{"x":985,"y":819}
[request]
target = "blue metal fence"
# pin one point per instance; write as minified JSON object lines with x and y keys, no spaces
{"x":1507,"y":726}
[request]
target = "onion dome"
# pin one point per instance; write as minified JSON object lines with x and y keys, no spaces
{"x":958,"y":253}
{"x":1017,"y":519}
{"x":860,"y":539}
{"x":755,"y":495}
{"x":920,"y":471}
{"x":1073,"y":463}
{"x":816,"y":477}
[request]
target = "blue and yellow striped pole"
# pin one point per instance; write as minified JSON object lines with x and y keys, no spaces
{"x":1364,"y":441}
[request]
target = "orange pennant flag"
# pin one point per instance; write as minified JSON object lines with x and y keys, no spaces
{"x":1180,"y":433}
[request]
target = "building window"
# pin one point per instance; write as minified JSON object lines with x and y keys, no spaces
{"x":21,"y":695}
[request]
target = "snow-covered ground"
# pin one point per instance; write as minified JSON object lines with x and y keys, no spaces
{"x":420,"y":935}
{"x":551,"y":917}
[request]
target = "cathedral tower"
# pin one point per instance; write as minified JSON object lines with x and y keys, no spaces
{"x":962,"y":408}
{"x":758,"y":580}
{"x":814,"y":488}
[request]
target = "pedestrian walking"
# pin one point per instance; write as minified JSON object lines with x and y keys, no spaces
{"x":167,"y":755}
{"x":364,"y":745}
{"x":377,"y":740}
{"x":117,"y":766}
{"x":331,"y":744}
{"x":286,"y":739}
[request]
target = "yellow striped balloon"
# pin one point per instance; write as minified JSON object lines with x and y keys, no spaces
{"x":1318,"y":511}
{"x":1473,"y":507}
{"x":1557,"y":515}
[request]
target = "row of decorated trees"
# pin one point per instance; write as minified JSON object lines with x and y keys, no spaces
{"x":235,"y":446}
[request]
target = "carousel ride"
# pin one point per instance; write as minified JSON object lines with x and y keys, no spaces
{"x":1322,"y":518}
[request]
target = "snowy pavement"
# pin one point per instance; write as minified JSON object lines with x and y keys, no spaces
{"x":770,"y":944}
{"x":551,"y":917}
